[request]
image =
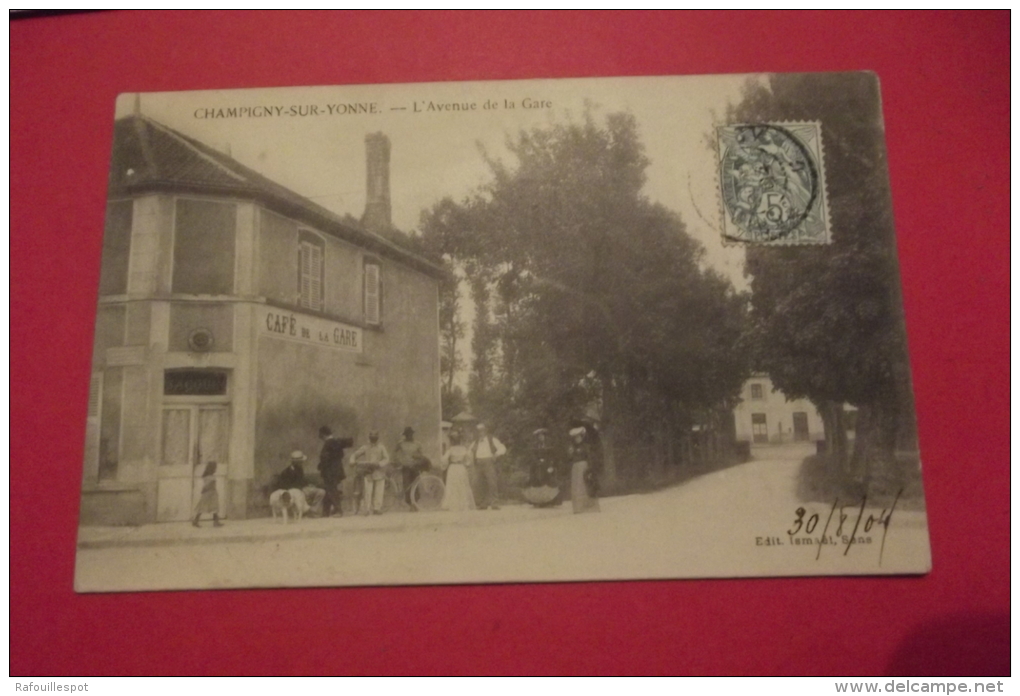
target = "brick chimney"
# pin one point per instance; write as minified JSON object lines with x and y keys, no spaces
{"x":377,"y":202}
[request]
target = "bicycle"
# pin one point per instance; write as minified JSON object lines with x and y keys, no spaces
{"x":427,"y":491}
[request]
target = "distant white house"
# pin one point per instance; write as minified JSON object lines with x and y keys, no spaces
{"x":766,"y":416}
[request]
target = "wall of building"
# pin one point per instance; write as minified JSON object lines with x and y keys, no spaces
{"x":404,"y":351}
{"x":279,"y":392}
{"x":300,"y":388}
{"x":119,"y":474}
{"x":391,"y":383}
{"x":215,"y":317}
{"x":140,"y":333}
{"x":278,"y":268}
{"x":759,"y":398}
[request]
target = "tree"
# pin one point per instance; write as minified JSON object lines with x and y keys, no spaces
{"x":826,"y":321}
{"x":440,"y":241}
{"x":587,"y":296}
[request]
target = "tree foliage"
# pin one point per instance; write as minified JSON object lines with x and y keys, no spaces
{"x":826,"y":321}
{"x":586,"y":295}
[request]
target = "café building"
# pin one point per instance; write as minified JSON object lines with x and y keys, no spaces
{"x":235,"y":318}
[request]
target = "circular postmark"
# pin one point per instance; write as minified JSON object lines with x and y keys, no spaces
{"x":769,"y":180}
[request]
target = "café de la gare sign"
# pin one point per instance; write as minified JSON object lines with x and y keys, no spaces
{"x":309,"y":330}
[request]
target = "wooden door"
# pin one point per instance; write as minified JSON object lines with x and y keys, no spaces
{"x":759,"y":429}
{"x":193,"y":435}
{"x":800,"y":427}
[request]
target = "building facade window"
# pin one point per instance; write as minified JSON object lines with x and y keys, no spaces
{"x":111,"y":399}
{"x":204,"y":239}
{"x":92,"y":425}
{"x":757,"y":392}
{"x":116,"y":248}
{"x":373,"y":293}
{"x":311,"y":271}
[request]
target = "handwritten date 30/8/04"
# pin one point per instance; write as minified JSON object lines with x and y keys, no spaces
{"x":845,"y":526}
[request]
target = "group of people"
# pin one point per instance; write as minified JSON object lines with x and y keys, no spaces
{"x":547,"y":481}
{"x":469,"y":467}
{"x":472,"y":480}
{"x":370,"y":465}
{"x":470,"y":471}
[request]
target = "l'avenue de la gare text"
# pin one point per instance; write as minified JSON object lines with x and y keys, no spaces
{"x":426,"y":106}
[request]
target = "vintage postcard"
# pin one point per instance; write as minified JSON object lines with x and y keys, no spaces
{"x":531,"y":331}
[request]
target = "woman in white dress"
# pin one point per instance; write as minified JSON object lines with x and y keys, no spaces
{"x":583,"y":473}
{"x":456,"y":461}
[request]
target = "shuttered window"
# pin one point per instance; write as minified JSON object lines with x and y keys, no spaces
{"x":311,"y":271}
{"x":373,"y":293}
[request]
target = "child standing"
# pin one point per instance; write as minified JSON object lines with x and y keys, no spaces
{"x":209,"y":501}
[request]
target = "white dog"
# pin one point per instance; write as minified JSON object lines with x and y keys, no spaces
{"x":288,"y":502}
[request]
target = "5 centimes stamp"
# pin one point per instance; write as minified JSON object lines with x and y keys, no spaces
{"x":772,"y":183}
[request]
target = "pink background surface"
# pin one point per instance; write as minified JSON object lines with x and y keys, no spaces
{"x":946,"y":91}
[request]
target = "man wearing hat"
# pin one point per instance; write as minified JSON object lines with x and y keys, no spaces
{"x":294,"y":477}
{"x":370,"y":462}
{"x":331,"y":466}
{"x":408,"y":456}
{"x":486,"y":452}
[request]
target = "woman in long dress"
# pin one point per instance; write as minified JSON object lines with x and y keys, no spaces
{"x":456,"y":460}
{"x":582,"y":473}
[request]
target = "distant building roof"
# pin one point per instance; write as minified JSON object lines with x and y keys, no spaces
{"x":148,"y":156}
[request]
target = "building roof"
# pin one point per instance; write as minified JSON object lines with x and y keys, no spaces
{"x":148,"y":156}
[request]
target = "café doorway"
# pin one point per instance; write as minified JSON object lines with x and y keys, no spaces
{"x":195,"y":430}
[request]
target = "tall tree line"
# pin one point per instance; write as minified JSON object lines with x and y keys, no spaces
{"x":827,"y":321}
{"x":588,"y":298}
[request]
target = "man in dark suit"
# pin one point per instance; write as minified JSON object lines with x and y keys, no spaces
{"x":331,"y":466}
